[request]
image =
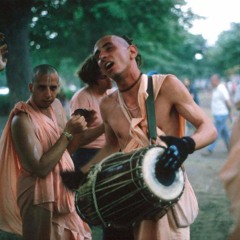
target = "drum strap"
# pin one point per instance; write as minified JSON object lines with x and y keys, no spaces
{"x":150,"y":109}
{"x":151,"y":116}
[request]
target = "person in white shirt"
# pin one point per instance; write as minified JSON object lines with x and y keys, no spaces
{"x":221,"y":110}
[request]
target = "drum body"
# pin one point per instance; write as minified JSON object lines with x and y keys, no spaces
{"x":126,"y":187}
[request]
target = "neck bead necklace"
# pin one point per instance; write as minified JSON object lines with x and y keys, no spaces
{"x":131,"y":86}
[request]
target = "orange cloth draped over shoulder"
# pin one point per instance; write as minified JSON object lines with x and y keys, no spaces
{"x":164,"y":228}
{"x":19,"y":188}
{"x":138,"y":126}
{"x":230,"y":176}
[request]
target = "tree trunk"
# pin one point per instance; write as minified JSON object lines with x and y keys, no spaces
{"x":14,"y":23}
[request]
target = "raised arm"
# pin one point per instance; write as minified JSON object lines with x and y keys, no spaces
{"x":85,"y":137}
{"x":179,"y":97}
{"x":30,"y":150}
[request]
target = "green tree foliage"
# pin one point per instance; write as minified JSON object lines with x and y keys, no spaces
{"x":227,"y":51}
{"x":63,"y":33}
{"x":159,"y":29}
{"x":14,"y":23}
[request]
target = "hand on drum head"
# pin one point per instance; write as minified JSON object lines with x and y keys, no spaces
{"x":176,"y":152}
{"x":73,"y":180}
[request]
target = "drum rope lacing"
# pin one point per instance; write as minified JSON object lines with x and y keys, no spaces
{"x":120,"y":200}
{"x":92,"y":177}
{"x":105,"y":187}
{"x":98,"y":168}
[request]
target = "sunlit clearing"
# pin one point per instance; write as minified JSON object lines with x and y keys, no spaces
{"x":44,"y":13}
{"x":4,"y":90}
{"x":53,"y":35}
{"x":198,"y":56}
{"x":35,"y":19}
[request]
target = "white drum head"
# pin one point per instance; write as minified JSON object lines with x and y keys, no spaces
{"x":163,"y":191}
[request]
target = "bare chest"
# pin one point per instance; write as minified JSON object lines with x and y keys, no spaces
{"x":166,"y":120}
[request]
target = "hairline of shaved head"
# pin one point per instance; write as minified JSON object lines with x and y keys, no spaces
{"x":118,"y":39}
{"x":42,"y":70}
{"x":122,"y":41}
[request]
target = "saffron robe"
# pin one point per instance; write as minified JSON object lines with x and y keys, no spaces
{"x":20,"y":189}
{"x":230,"y":176}
{"x":165,"y":228}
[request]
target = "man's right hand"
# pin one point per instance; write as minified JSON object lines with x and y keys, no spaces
{"x":76,"y":124}
{"x":89,"y":115}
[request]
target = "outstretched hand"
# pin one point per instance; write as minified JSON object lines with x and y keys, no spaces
{"x":3,"y":52}
{"x":89,"y":115}
{"x":76,"y":124}
{"x":176,"y":152}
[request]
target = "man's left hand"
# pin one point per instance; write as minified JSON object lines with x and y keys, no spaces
{"x":176,"y":152}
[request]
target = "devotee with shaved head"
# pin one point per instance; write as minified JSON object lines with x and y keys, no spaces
{"x":125,"y":122}
{"x":34,"y":149}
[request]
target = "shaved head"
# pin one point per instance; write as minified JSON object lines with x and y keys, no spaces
{"x":123,"y":41}
{"x":43,"y":69}
{"x":112,"y":38}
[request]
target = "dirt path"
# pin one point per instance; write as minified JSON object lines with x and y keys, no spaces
{"x":214,"y":221}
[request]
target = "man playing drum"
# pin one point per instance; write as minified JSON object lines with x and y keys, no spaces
{"x":125,"y":122}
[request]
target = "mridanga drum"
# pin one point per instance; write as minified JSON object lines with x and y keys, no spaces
{"x":126,"y":188}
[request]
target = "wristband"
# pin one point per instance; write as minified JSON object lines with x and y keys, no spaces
{"x":68,"y":135}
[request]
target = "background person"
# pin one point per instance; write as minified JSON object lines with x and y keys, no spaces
{"x":221,"y":111}
{"x":194,"y":93}
{"x":192,"y":90}
{"x":230,"y":176}
{"x":33,"y":151}
{"x":235,"y":133}
{"x":229,"y":173}
{"x":89,"y":97}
